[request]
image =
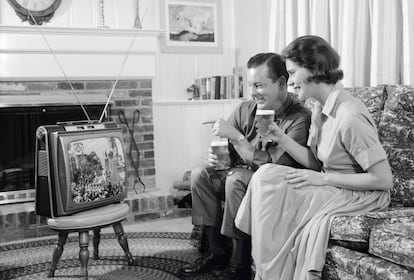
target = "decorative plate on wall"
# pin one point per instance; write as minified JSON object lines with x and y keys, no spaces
{"x":35,"y":11}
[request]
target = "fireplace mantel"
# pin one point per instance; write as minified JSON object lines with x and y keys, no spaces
{"x":84,"y":53}
{"x":7,"y":101}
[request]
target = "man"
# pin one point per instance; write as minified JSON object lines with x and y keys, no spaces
{"x":267,"y":78}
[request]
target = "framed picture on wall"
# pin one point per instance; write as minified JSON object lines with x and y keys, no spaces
{"x":192,"y":26}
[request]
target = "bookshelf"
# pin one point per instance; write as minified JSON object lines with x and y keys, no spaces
{"x":221,"y":87}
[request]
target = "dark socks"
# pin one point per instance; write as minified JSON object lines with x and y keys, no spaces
{"x":216,"y":241}
{"x":241,"y":251}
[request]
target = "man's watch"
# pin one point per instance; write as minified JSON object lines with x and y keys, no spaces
{"x":238,"y":139}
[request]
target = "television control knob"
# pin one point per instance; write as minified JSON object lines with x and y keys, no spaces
{"x":40,"y":133}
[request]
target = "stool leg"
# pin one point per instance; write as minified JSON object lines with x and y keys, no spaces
{"x":96,"y":240}
{"x":57,"y":253}
{"x":119,"y":231}
{"x":84,"y":253}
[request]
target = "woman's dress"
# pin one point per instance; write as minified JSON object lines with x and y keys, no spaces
{"x":290,"y":227}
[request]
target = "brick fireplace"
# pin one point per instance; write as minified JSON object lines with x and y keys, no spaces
{"x":19,"y":219}
{"x":129,"y":95}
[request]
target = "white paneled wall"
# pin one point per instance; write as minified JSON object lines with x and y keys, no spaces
{"x":181,"y":140}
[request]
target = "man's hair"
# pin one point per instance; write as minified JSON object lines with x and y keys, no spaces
{"x":274,"y":62}
{"x":316,"y":55}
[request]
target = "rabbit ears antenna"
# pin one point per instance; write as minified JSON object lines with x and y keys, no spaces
{"x":69,"y":81}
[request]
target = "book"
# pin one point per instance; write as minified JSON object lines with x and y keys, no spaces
{"x":223,"y":87}
{"x":217,"y":87}
{"x":241,"y":73}
{"x":213,"y":87}
{"x":203,"y":90}
{"x":208,"y":88}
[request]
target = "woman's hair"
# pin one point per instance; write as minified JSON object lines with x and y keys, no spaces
{"x":316,"y":55}
{"x":275,"y":64}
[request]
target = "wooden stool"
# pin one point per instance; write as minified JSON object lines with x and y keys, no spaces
{"x":83,"y":222}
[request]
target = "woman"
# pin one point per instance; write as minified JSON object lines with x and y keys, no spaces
{"x":288,"y":211}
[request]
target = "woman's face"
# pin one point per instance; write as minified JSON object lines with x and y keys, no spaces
{"x":298,"y":76}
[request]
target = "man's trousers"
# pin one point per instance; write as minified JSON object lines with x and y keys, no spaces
{"x":209,"y":188}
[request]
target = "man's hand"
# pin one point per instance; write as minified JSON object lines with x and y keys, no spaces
{"x":305,"y":177}
{"x":212,"y":158}
{"x":224,"y":129}
{"x":262,"y":128}
{"x":274,"y":134}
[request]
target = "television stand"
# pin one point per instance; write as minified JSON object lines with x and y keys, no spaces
{"x":83,"y":222}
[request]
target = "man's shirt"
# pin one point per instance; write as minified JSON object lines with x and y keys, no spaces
{"x":292,"y":117}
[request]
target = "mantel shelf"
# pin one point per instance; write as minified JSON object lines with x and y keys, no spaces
{"x":8,"y":101}
{"x":81,"y":31}
{"x":83,"y":53}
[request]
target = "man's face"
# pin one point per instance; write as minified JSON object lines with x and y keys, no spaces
{"x":267,"y":94}
{"x":298,"y":80}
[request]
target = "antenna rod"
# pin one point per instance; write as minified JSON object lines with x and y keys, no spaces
{"x":119,"y":75}
{"x":60,"y":67}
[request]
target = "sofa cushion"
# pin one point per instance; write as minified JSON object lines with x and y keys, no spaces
{"x":356,"y":229}
{"x":357,"y":265}
{"x":344,"y":260}
{"x":96,"y":217}
{"x":394,"y":243}
{"x":371,"y":267}
{"x":331,"y":272}
{"x":396,"y":131}
{"x":373,"y":98}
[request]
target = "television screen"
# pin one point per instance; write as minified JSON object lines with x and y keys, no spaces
{"x":96,"y":168}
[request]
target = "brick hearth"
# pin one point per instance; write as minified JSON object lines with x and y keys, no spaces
{"x":19,"y":221}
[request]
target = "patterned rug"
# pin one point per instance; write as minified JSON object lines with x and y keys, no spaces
{"x":158,"y":256}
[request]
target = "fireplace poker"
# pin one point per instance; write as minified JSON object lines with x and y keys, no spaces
{"x":133,"y":146}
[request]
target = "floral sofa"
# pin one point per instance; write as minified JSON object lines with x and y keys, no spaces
{"x":376,"y":245}
{"x":380,"y":245}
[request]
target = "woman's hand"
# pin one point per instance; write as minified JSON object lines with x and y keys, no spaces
{"x":274,"y":134}
{"x":305,"y":177}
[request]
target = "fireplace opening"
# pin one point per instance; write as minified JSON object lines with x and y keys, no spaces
{"x":17,"y":143}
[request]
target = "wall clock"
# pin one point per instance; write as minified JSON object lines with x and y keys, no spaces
{"x":42,"y":10}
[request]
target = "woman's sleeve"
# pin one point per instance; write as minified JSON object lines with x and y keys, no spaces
{"x":360,"y":138}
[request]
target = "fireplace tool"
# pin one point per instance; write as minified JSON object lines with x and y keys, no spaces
{"x":133,"y":146}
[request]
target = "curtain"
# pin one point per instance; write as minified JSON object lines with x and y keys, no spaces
{"x":375,"y":38}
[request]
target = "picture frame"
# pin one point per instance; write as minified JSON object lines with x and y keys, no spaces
{"x":192,"y":26}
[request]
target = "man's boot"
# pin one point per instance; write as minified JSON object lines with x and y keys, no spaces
{"x":216,"y":258}
{"x":240,"y":266}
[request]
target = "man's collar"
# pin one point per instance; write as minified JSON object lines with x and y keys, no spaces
{"x":289,"y":100}
{"x":331,"y":100}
